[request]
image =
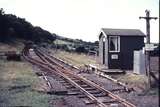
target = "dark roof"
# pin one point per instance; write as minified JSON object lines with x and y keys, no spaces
{"x":123,"y":32}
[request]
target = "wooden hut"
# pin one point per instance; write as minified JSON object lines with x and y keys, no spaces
{"x":116,"y":47}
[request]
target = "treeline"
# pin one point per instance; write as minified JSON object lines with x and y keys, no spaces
{"x":12,"y":27}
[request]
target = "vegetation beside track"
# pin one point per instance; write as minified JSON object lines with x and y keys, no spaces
{"x":75,"y":58}
{"x":79,"y":60}
{"x":17,"y":81}
{"x":134,"y":80}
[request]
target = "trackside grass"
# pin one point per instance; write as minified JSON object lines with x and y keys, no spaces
{"x":75,"y":58}
{"x":16,"y":86}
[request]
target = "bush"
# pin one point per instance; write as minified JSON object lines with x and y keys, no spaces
{"x":81,"y":49}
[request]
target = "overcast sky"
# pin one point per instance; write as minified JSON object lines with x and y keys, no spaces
{"x":83,"y":19}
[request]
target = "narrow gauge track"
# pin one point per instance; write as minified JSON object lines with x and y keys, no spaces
{"x":116,"y":86}
{"x":87,"y":89}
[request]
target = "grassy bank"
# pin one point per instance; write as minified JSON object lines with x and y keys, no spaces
{"x":16,"y":86}
{"x":75,"y":58}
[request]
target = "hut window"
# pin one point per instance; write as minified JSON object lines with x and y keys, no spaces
{"x":114,"y":44}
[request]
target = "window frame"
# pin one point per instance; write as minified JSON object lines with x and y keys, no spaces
{"x":118,"y":37}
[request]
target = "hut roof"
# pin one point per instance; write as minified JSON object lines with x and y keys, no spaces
{"x":123,"y":32}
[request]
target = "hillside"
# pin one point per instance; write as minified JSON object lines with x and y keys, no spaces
{"x":75,"y":45}
{"x":13,"y":27}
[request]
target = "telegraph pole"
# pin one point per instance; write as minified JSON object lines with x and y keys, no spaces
{"x":148,"y":18}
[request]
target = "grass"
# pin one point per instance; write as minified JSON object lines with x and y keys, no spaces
{"x":130,"y":78}
{"x":16,"y":86}
{"x":18,"y":46}
{"x":62,"y":42}
{"x":139,"y":81}
{"x":75,"y":58}
{"x":134,"y":80}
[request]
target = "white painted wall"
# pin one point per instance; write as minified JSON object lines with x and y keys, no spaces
{"x":101,"y":50}
{"x":106,"y":52}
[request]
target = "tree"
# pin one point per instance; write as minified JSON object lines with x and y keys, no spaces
{"x":12,"y":27}
{"x":1,"y":11}
{"x":3,"y":25}
{"x":81,"y":49}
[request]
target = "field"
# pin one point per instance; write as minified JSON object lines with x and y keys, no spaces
{"x":75,"y":58}
{"x":19,"y":83}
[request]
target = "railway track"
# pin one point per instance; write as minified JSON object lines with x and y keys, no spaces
{"x":115,"y":84}
{"x":85,"y":89}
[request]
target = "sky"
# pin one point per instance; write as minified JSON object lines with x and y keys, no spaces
{"x":83,"y":19}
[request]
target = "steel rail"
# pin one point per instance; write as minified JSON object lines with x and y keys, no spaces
{"x":30,"y":59}
{"x":123,"y":101}
{"x":94,"y":99}
{"x":126,"y":88}
{"x":90,"y":96}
